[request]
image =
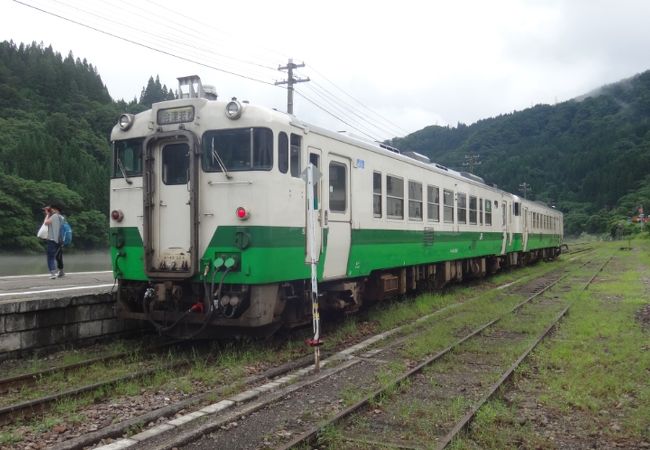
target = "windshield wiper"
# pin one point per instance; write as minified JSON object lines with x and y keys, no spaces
{"x":121,"y":167}
{"x":217,"y":157}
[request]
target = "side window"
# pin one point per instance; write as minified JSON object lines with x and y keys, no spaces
{"x":394,"y":197}
{"x":295,"y":155}
{"x":415,"y":200}
{"x":472,"y":210}
{"x":127,"y":158}
{"x":448,"y":212}
{"x":337,"y":187}
{"x":488,"y":212}
{"x":315,"y":160}
{"x":462,"y":208}
{"x":433,"y":204}
{"x":516,"y":208}
{"x":283,"y":152}
{"x":480,"y":211}
{"x":376,"y":194}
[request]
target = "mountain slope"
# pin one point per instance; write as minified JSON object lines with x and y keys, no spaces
{"x":582,"y":155}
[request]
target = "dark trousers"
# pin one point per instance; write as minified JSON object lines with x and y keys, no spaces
{"x":59,"y":257}
{"x":52,"y":249}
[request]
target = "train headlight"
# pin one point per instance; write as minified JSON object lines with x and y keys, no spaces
{"x":126,"y":121}
{"x":117,"y":215}
{"x":241,"y":213}
{"x":234,"y":109}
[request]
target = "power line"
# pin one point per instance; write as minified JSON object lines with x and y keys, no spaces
{"x":334,"y":115}
{"x":344,"y":112}
{"x":359,"y":102}
{"x":171,"y":40}
{"x":164,"y":52}
{"x":168,"y":38}
{"x":350,"y":111}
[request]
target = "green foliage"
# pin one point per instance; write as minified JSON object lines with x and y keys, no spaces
{"x":55,"y":119}
{"x":21,"y":201}
{"x":590,"y":156}
{"x":155,"y":93}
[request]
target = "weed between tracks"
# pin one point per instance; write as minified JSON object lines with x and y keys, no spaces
{"x":587,"y":386}
{"x":235,"y":361}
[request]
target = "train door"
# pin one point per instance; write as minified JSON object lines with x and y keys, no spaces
{"x":170,"y":197}
{"x":337,"y":216}
{"x":524,"y":238}
{"x":504,"y":226}
{"x":315,"y":159}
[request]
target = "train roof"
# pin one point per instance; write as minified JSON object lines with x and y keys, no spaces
{"x":342,"y":136}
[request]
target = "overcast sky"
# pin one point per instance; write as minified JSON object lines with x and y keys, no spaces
{"x":385,"y":68}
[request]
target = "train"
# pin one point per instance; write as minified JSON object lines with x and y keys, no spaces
{"x":209,"y":221}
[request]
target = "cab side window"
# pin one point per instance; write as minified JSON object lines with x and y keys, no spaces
{"x":283,"y":152}
{"x":295,"y":155}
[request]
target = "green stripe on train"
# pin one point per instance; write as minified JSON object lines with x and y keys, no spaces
{"x":273,"y":254}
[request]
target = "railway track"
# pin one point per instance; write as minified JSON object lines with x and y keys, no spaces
{"x":352,"y":432}
{"x":353,"y":363}
{"x":26,"y":409}
{"x":119,"y":429}
{"x":25,"y":380}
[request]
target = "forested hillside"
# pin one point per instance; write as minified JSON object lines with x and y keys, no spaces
{"x":590,"y":157}
{"x":55,"y":121}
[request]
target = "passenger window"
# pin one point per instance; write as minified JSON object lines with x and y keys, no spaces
{"x":488,"y":212}
{"x":394,"y":197}
{"x":433,"y":204}
{"x":283,"y":152}
{"x":461,"y":203}
{"x":314,"y":159}
{"x":295,"y":155}
{"x":480,"y":211}
{"x":472,"y":210}
{"x":448,"y":209}
{"x":516,"y":207}
{"x":337,"y":187}
{"x":376,"y":194}
{"x":415,"y":200}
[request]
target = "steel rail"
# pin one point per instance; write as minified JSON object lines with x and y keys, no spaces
{"x":11,"y":413}
{"x":28,"y":379}
{"x":309,"y":435}
{"x":465,"y":421}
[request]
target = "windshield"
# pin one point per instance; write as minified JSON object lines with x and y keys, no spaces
{"x":127,"y":158}
{"x":237,"y":150}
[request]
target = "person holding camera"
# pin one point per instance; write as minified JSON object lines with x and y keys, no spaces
{"x":54,"y":249}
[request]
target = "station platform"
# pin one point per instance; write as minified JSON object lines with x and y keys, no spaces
{"x":39,"y":314}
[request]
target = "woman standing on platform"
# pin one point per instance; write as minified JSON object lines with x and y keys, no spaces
{"x":54,"y":221}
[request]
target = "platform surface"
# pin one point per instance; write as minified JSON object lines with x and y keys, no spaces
{"x":36,"y":287}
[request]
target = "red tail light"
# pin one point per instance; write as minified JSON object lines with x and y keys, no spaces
{"x":241,"y":213}
{"x":117,"y":215}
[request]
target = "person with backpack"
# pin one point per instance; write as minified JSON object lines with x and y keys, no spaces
{"x":54,"y":250}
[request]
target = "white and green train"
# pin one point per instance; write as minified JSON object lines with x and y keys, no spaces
{"x":209,"y":215}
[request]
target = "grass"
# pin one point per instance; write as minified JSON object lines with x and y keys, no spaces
{"x":593,"y":372}
{"x":470,"y":304}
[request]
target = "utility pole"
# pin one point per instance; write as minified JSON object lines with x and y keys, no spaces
{"x":290,"y":81}
{"x":525,"y":187}
{"x":471,"y":161}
